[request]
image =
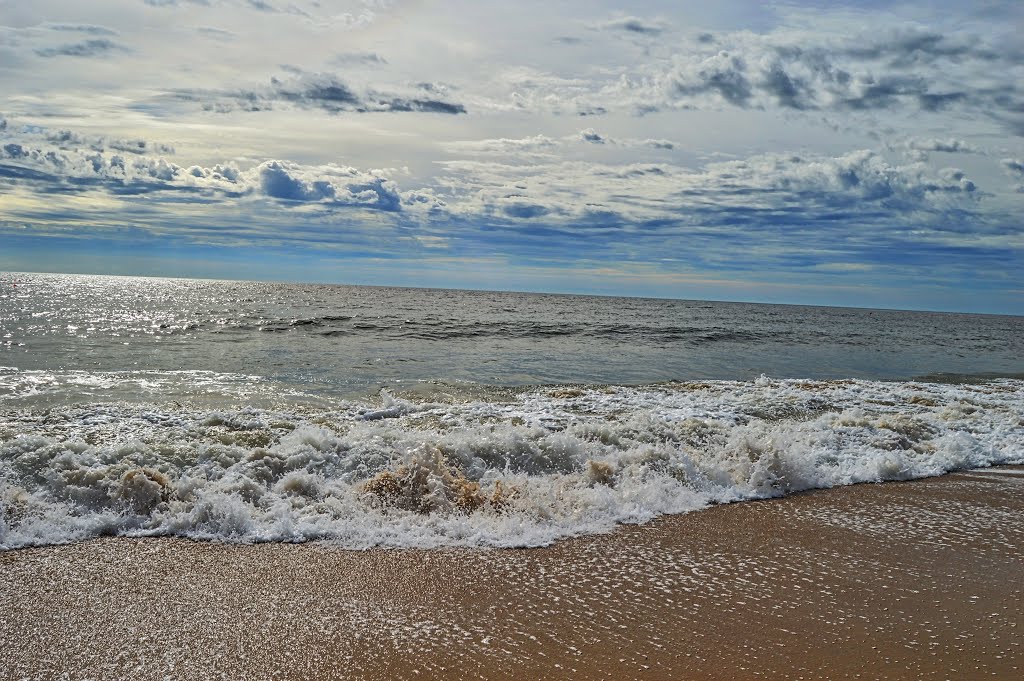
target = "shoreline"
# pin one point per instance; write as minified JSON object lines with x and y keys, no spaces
{"x":916,"y":579}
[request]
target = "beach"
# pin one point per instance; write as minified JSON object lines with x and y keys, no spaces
{"x":337,"y":482}
{"x":900,"y":580}
{"x":379,"y":340}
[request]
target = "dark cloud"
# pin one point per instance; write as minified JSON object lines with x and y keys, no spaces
{"x":424,"y":105}
{"x":291,"y":182}
{"x":321,"y":91}
{"x":89,"y":29}
{"x":66,"y":139}
{"x":922,"y":71}
{"x":13,"y":150}
{"x":723,"y":74}
{"x":592,"y":136}
{"x":1014,"y":165}
{"x":787,"y":90}
{"x":278,"y":183}
{"x":90,"y":48}
{"x":903,"y":49}
{"x":137,"y":146}
{"x":933,"y":102}
{"x":524,"y":211}
{"x":633,"y":25}
{"x":885,"y":92}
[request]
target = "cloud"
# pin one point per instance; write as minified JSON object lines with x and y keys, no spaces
{"x":723,"y":74}
{"x":96,"y":47}
{"x":65,"y":167}
{"x":919,"y":148}
{"x":544,"y":146}
{"x":313,"y":12}
{"x":330,"y":184}
{"x":947,"y":146}
{"x":175,"y":3}
{"x":899,"y":69}
{"x":908,"y":70}
{"x":326,"y":92}
{"x":630,"y":24}
{"x":861,"y":178}
{"x":832,"y":214}
{"x":556,"y":191}
{"x":1014,"y":167}
{"x":349,"y":58}
{"x":592,"y":136}
{"x":90,"y":29}
{"x":506,"y":146}
{"x":750,"y":190}
{"x":216,"y":33}
{"x":66,"y":139}
{"x":764,"y":213}
{"x":906,"y":48}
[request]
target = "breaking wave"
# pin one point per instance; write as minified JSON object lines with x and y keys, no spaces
{"x":512,"y":468}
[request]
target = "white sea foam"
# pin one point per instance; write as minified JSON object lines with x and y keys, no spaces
{"x":45,"y":388}
{"x":523,"y":470}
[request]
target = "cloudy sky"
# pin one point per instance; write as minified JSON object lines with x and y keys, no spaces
{"x":825,"y":152}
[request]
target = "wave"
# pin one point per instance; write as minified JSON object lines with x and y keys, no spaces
{"x":448,"y":330}
{"x":519,"y":468}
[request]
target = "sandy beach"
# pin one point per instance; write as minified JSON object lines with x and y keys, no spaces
{"x":913,"y":580}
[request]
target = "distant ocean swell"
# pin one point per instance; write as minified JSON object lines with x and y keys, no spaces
{"x":448,"y":330}
{"x":513,"y":468}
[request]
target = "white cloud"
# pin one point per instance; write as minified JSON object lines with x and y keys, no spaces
{"x":48,"y":168}
{"x":625,"y":194}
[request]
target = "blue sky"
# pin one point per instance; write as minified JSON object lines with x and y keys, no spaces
{"x":827,"y":153}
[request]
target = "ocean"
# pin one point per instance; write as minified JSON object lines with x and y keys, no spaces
{"x":364,"y":416}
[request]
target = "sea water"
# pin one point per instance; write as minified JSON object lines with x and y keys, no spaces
{"x":248,"y":411}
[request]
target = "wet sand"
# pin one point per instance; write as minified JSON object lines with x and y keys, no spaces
{"x":912,"y":580}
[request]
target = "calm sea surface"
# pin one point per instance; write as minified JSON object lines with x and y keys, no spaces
{"x":244,"y":411}
{"x":346,"y":340}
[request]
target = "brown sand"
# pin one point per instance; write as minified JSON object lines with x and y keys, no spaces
{"x":902,"y":580}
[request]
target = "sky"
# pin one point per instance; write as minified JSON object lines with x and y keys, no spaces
{"x":868,"y":154}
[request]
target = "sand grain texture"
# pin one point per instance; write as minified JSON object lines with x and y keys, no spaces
{"x":898,"y":580}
